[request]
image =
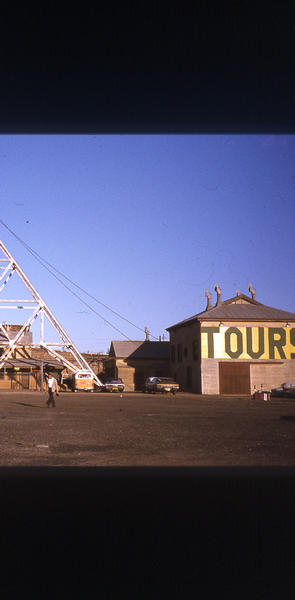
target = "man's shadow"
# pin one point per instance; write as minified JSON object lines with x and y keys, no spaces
{"x":27,"y":404}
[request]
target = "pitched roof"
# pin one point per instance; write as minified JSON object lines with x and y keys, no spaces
{"x":231,"y":310}
{"x":139,"y":349}
{"x":25,"y":339}
{"x":157,"y":350}
{"x":123,"y":348}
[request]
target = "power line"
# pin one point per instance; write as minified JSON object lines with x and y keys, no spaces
{"x":74,"y":293}
{"x":44,"y":262}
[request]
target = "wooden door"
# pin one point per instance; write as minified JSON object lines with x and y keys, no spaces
{"x":25,"y":381}
{"x":234,"y":378}
{"x":20,"y":381}
{"x":139,"y":379}
{"x":14,"y":382}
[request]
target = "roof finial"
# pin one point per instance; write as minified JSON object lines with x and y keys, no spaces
{"x":238,"y":292}
{"x":209,"y":297}
{"x":147,"y":334}
{"x":252,"y":291}
{"x":218,"y":292}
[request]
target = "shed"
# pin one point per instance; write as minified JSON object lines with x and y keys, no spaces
{"x":133,"y":361}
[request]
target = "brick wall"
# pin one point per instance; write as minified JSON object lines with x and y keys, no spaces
{"x":95,"y":361}
{"x":272,"y":375}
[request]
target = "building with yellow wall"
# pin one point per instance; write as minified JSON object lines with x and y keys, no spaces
{"x":233,"y":347}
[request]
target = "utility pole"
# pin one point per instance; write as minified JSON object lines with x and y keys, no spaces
{"x":42,"y":376}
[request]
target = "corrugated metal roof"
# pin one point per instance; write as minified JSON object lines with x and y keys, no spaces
{"x":229,"y":310}
{"x":139,"y":349}
{"x":32,"y":362}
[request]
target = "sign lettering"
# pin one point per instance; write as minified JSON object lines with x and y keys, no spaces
{"x":248,"y":342}
{"x":230,"y":333}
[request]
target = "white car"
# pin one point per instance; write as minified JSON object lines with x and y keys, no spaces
{"x":114,"y":385}
{"x":160,"y":384}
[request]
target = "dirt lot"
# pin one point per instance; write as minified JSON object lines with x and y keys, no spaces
{"x":145,"y":430}
{"x":84,"y":515}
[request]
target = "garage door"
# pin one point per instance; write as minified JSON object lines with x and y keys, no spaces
{"x":234,"y":378}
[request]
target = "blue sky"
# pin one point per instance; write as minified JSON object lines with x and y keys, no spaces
{"x":145,"y":223}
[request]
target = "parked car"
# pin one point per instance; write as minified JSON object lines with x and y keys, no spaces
{"x":287,"y":390}
{"x":160,"y":384}
{"x":114,"y":385}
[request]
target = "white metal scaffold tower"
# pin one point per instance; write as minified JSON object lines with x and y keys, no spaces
{"x":39,"y":308}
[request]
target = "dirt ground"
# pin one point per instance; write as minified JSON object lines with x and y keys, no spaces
{"x":145,"y":430}
{"x":147,"y":494}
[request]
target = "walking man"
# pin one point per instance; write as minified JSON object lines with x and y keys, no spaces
{"x":52,"y":388}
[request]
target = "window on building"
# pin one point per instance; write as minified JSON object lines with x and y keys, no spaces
{"x":172,"y":355}
{"x":185,"y":352}
{"x":189,"y":377}
{"x":179,"y":352}
{"x":195,"y":350}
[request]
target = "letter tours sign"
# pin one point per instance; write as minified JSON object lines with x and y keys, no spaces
{"x":248,"y":342}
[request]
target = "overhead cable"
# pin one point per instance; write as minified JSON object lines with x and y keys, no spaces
{"x":44,"y":262}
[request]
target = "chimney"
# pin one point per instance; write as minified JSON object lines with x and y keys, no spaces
{"x":218,"y":292}
{"x":252,"y":291}
{"x":208,"y":296}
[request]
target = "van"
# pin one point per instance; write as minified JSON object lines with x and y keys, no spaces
{"x":83,"y":381}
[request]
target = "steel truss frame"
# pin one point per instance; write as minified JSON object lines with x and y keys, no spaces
{"x":39,"y":308}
